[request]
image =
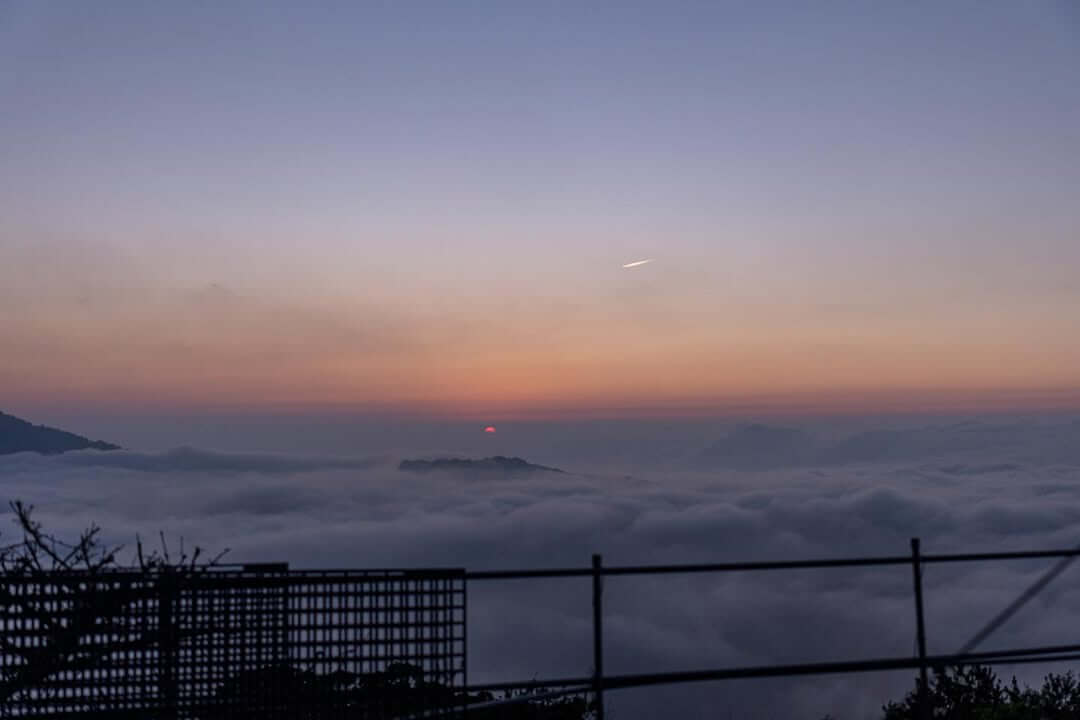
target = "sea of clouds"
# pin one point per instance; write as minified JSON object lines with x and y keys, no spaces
{"x":749,"y":492}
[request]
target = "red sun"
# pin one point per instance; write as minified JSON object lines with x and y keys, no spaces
{"x":489,"y":429}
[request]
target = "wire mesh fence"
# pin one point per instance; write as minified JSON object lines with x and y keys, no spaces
{"x":233,"y":644}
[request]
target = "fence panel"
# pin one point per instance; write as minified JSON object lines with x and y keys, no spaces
{"x":232,"y":644}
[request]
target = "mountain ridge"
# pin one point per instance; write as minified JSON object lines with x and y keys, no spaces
{"x":18,"y":435}
{"x":497,"y":463}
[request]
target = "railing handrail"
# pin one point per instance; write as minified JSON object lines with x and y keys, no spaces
{"x":692,"y":568}
{"x":613,"y":682}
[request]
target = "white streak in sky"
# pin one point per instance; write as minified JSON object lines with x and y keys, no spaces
{"x":637,"y":263}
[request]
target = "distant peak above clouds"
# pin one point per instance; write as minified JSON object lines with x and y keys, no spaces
{"x":759,"y":447}
{"x":497,"y":464}
{"x":974,"y":447}
{"x":18,"y":435}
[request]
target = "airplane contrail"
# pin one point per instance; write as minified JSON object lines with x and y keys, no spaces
{"x":637,"y":262}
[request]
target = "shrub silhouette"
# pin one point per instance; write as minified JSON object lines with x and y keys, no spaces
{"x":285,"y":692}
{"x":976,"y":693}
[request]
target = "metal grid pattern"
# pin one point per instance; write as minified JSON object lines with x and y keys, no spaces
{"x":233,"y":644}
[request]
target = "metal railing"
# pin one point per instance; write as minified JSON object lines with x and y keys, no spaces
{"x":254,"y":641}
{"x":598,"y":683}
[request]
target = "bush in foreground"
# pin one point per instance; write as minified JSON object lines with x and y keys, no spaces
{"x":976,"y":693}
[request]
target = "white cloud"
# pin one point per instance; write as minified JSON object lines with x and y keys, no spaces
{"x":345,"y":512}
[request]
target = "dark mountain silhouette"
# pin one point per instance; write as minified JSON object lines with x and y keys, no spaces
{"x":493,"y":465}
{"x":20,"y":436}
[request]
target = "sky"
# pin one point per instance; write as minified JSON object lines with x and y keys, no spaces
{"x":423,"y":209}
{"x":273,"y":248}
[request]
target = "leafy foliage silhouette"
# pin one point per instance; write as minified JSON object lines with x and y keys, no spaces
{"x":399,"y":691}
{"x":976,"y":693}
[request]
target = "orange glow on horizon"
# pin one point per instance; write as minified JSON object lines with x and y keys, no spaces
{"x":469,"y":359}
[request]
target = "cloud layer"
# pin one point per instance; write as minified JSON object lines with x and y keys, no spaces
{"x":1009,"y":488}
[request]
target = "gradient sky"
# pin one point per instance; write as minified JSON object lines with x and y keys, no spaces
{"x":424,"y":208}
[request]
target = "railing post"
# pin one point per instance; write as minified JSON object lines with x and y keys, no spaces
{"x":920,"y":632}
{"x":598,"y":634}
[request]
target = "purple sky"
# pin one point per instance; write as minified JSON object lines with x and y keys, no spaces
{"x":424,"y":207}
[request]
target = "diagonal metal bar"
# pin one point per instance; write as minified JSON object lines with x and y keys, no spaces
{"x":1002,"y":617}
